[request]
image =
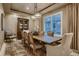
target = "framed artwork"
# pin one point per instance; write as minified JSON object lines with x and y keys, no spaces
{"x":1,"y":21}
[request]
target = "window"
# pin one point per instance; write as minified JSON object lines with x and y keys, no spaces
{"x":53,"y":23}
{"x":47,"y":24}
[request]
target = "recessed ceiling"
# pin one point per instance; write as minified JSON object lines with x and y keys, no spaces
{"x":28,"y":7}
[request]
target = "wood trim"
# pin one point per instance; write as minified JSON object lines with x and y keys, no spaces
{"x":47,"y":7}
{"x":51,"y":11}
{"x":21,"y":11}
{"x":32,"y":14}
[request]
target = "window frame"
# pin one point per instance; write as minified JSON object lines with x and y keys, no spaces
{"x":56,"y":13}
{"x":44,"y":23}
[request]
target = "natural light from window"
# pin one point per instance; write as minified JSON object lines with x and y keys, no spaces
{"x":53,"y":23}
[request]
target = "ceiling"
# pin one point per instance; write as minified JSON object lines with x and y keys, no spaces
{"x":29,"y":7}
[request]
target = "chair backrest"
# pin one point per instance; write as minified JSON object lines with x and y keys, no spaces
{"x":25,"y":38}
{"x":31,"y":40}
{"x":66,"y":40}
{"x":50,"y":33}
{"x":26,"y":35}
{"x":22,"y":35}
{"x":58,"y":50}
{"x":41,"y":33}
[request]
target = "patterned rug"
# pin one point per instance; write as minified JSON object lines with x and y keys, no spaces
{"x":16,"y":48}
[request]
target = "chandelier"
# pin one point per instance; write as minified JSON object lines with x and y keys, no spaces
{"x":36,"y":14}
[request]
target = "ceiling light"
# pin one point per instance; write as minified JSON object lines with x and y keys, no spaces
{"x":37,"y":14}
{"x":27,"y":8}
{"x":33,"y":17}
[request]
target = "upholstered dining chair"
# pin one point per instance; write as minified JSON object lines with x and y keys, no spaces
{"x":34,"y":46}
{"x":25,"y":39}
{"x":63,"y":49}
{"x":50,"y":33}
{"x":41,"y":33}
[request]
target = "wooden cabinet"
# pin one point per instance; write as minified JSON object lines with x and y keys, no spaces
{"x":23,"y":24}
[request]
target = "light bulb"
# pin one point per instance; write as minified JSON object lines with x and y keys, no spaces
{"x":27,"y":8}
{"x":33,"y":17}
{"x":37,"y":14}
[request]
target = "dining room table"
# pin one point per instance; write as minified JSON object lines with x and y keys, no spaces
{"x":47,"y":39}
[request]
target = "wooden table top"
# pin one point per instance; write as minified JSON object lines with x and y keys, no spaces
{"x":47,"y":39}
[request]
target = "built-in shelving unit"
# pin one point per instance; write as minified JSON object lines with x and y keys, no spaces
{"x":23,"y":24}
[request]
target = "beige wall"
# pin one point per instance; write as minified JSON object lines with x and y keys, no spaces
{"x":11,"y":21}
{"x":35,"y":24}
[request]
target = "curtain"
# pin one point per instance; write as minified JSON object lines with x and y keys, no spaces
{"x":71,"y":17}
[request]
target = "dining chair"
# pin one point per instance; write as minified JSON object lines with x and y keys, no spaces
{"x":41,"y":33}
{"x":50,"y":33}
{"x":25,"y":39}
{"x":34,"y":46}
{"x":63,"y":49}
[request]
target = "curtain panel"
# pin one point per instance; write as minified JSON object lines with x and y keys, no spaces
{"x":71,"y":13}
